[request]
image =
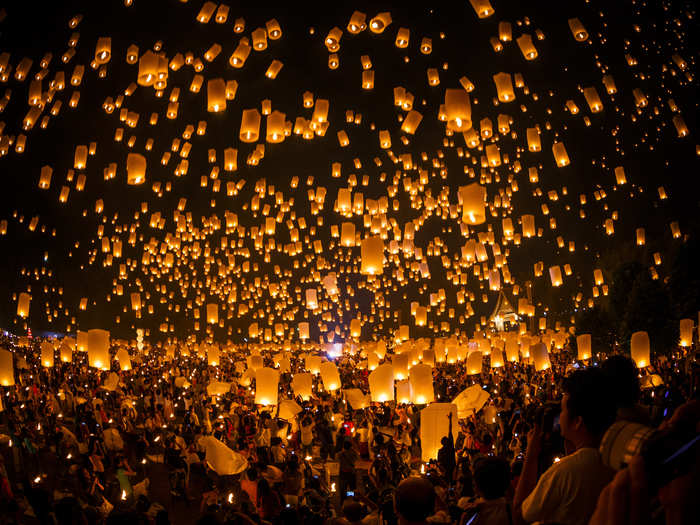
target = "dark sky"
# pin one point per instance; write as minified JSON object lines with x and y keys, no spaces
{"x":652,"y":34}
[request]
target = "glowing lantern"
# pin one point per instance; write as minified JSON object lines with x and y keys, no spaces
{"x":240,"y":54}
{"x":686,"y":332}
{"x":47,"y":354}
{"x":98,"y":348}
{"x":250,"y":125}
{"x":504,"y":87}
{"x":402,"y":37}
{"x":332,"y":40}
{"x":274,"y":31}
{"x":301,"y":384}
{"x":381,"y":383}
{"x":148,"y":69}
{"x":593,"y":99}
{"x":7,"y":368}
{"x":216,"y":95}
{"x":347,"y":234}
{"x":598,"y":277}
{"x":411,"y":122}
{"x":482,"y":8}
{"x":583,"y":343}
{"x":212,"y":313}
{"x":380,"y":22}
{"x":528,"y":224}
{"x":266,"y":386}
{"x":620,"y":177}
{"x":474,"y":362}
{"x":560,"y":155}
{"x":384,"y":139}
{"x":400,"y":364}
{"x":275,"y":127}
{"x":135,"y":169}
{"x":212,"y":353}
{"x":458,"y":109}
{"x":496,"y":358}
{"x":274,"y":69}
{"x":23,"y":305}
{"x":259,"y":38}
{"x":356,"y":328}
{"x":372,"y":256}
{"x":330,"y":376}
{"x":577,"y":29}
{"x":541,"y":356}
{"x":313,"y":364}
{"x":639,"y":349}
{"x":103,"y":50}
{"x":555,"y":275}
{"x":434,"y":425}
{"x":473,"y":198}
{"x":311,"y":301}
{"x":122,"y":356}
{"x":66,"y":351}
{"x":527,"y":48}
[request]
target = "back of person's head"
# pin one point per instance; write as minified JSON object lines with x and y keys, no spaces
{"x":414,"y":500}
{"x":491,"y":477}
{"x":445,"y":441}
{"x":347,"y":445}
{"x":589,"y":398}
{"x":353,"y":510}
{"x":623,"y":378}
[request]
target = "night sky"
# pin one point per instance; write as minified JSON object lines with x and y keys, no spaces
{"x":62,"y":261}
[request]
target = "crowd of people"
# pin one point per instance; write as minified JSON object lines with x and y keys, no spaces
{"x":581,"y":442}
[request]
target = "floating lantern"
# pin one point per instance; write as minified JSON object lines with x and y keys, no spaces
{"x":266,"y":386}
{"x":639,"y":349}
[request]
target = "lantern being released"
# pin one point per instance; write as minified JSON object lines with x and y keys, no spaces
{"x":583,"y":343}
{"x":7,"y":368}
{"x":381,"y":383}
{"x":98,"y":348}
{"x":266,"y":385}
{"x":372,"y":256}
{"x":473,"y":198}
{"x":434,"y":425}
{"x":330,"y":376}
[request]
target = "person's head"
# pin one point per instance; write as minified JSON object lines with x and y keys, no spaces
{"x":445,"y":441}
{"x":491,"y":477}
{"x":623,"y":377}
{"x":414,"y":500}
{"x":252,"y":473}
{"x":353,"y":511}
{"x":347,"y":445}
{"x":586,"y":410}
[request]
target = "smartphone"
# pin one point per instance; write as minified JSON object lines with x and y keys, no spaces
{"x":350,"y":493}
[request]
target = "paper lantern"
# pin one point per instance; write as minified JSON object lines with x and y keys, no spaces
{"x":23,"y":305}
{"x":474,"y":362}
{"x":274,"y":31}
{"x":555,"y":275}
{"x":332,"y":40}
{"x":533,"y":140}
{"x":213,"y":354}
{"x":497,"y":358}
{"x":148,"y":69}
{"x":458,"y":110}
{"x":400,"y":364}
{"x":122,"y":356}
{"x":66,"y":351}
{"x":403,"y":392}
{"x":593,"y":99}
{"x":216,"y":95}
{"x":583,"y":343}
{"x":240,"y":54}
{"x":380,"y":22}
{"x":482,"y":8}
{"x":275,"y":127}
{"x":598,"y":277}
{"x":527,"y":48}
{"x":47,"y":354}
{"x":259,"y":38}
{"x":313,"y":364}
{"x":372,"y":256}
{"x":250,"y":125}
{"x":512,"y":350}
{"x":381,"y":383}
{"x":686,"y":332}
{"x":402,"y":37}
{"x":212,"y":313}
{"x":541,"y":357}
{"x":435,"y":425}
{"x":98,"y":348}
{"x":504,"y":87}
{"x":266,"y":386}
{"x":577,"y":29}
{"x":421,"y":384}
{"x":311,"y":300}
{"x":473,"y":199}
{"x":255,"y":362}
{"x":301,"y":384}
{"x":411,"y":122}
{"x":7,"y":368}
{"x":368,"y":79}
{"x":274,"y":69}
{"x":330,"y":376}
{"x":357,"y":23}
{"x":426,"y":46}
{"x":560,"y":155}
{"x":355,"y":328}
{"x":639,"y":349}
{"x":135,"y":169}
{"x":103,"y":50}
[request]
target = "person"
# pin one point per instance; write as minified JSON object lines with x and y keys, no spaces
{"x":446,"y":454}
{"x":414,"y":501}
{"x":623,"y":377}
{"x":491,"y":478}
{"x":268,"y":501}
{"x":567,"y":491}
{"x":347,"y":458}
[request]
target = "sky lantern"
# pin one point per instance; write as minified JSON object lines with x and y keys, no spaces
{"x":497,"y":358}
{"x":583,"y":344}
{"x":103,"y":50}
{"x":400,"y":364}
{"x":473,"y":198}
{"x":7,"y":368}
{"x":458,"y":109}
{"x":411,"y":122}
{"x":577,"y":30}
{"x":357,"y":23}
{"x":250,"y":125}
{"x":98,"y":348}
{"x":330,"y":376}
{"x":372,"y":256}
{"x":381,"y":383}
{"x":122,"y":356}
{"x":639,"y":349}
{"x":561,"y":157}
{"x":266,"y":386}
{"x":402,"y":37}
{"x":686,"y":332}
{"x":527,"y":47}
{"x":474,"y":362}
{"x":380,"y":22}
{"x":302,"y":385}
{"x":135,"y":168}
{"x":213,"y":355}
{"x":259,"y":39}
{"x":216,"y":95}
{"x":435,"y":424}
{"x":212,"y":313}
{"x":541,"y":357}
{"x":482,"y":8}
{"x":66,"y":351}
{"x":332,"y":40}
{"x":47,"y":354}
{"x":355,"y":328}
{"x":504,"y":87}
{"x":148,"y":69}
{"x":555,"y":275}
{"x":240,"y":54}
{"x":274,"y":31}
{"x":593,"y":99}
{"x":23,"y":305}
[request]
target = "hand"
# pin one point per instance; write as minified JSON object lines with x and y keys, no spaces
{"x":534,"y":441}
{"x":625,"y":500}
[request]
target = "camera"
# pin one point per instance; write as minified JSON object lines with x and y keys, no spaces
{"x":667,"y":454}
